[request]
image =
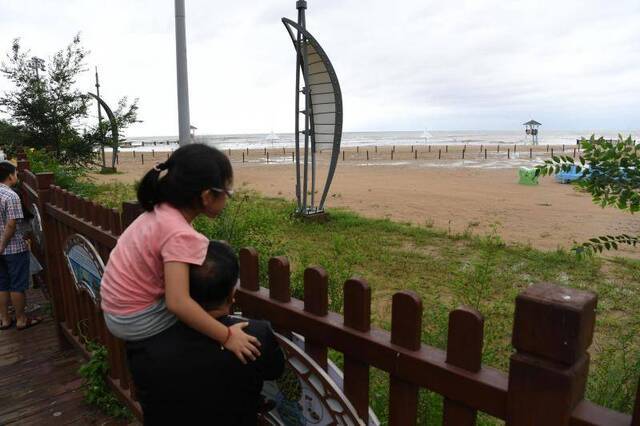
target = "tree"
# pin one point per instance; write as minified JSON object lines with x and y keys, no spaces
{"x":611,"y":174}
{"x":44,"y":103}
{"x":10,"y":136}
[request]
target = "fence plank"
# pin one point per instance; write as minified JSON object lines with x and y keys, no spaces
{"x":464,"y":350}
{"x":249,"y":269}
{"x":552,"y":330}
{"x":406,"y":328}
{"x":279,"y":279}
{"x":636,"y":411}
{"x":357,"y":315}
{"x":130,"y":211}
{"x":316,"y":301}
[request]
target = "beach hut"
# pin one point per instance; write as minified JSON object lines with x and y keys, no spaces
{"x":531,"y":129}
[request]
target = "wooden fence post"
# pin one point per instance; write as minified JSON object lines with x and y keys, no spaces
{"x":357,"y":315}
{"x":552,"y":330}
{"x":249,"y":269}
{"x":44,"y":192}
{"x":464,"y":350}
{"x":316,"y":301}
{"x":130,"y":211}
{"x":279,"y":279}
{"x":406,"y":329}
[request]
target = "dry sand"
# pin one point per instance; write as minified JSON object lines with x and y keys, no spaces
{"x":435,"y":193}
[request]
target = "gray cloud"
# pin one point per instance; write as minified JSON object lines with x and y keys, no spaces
{"x":402,"y":65}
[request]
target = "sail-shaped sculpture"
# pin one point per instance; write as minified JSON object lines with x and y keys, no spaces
{"x":322,"y":114}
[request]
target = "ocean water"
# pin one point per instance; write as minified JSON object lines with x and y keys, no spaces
{"x":352,"y":139}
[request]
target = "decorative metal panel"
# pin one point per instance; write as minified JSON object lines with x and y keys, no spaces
{"x":85,"y":265}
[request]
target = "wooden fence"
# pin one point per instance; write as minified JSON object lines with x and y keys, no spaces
{"x":545,"y":385}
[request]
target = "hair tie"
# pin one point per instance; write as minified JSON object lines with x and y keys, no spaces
{"x":160,"y":167}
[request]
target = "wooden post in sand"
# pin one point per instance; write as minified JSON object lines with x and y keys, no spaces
{"x":247,"y":152}
{"x":376,"y":147}
{"x":498,"y":148}
{"x":153,"y":153}
{"x":229,"y":152}
{"x":293,"y":158}
{"x":508,"y":153}
{"x":485,"y":153}
{"x":429,"y":146}
{"x":446,"y":148}
{"x":243,"y":156}
{"x":392,"y":154}
{"x":547,"y":148}
{"x":167,"y":155}
{"x":284,"y":152}
{"x":367,"y":155}
{"x":439,"y":154}
{"x":411,"y":148}
{"x":574,"y":153}
{"x":415,"y":154}
{"x":552,"y":152}
{"x":481,"y":146}
{"x":463,"y":150}
{"x":514,"y":148}
{"x":562,"y":147}
{"x":530,"y":153}
{"x":142,"y":156}
{"x":267,"y":158}
{"x":134,"y":153}
{"x":343,"y":155}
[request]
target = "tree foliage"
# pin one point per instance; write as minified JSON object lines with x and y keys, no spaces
{"x":44,"y":102}
{"x":610,"y":172}
{"x":47,"y":108}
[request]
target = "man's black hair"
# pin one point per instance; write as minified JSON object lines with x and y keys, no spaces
{"x":211,"y":283}
{"x":6,"y":169}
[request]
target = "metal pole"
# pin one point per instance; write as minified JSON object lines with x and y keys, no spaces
{"x":104,"y":161}
{"x":297,"y":120}
{"x":301,"y":6}
{"x":183,"y":81}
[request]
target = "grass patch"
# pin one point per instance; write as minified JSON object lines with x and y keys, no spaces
{"x":446,"y":270}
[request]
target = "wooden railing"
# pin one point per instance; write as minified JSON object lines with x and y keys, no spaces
{"x":553,"y":328}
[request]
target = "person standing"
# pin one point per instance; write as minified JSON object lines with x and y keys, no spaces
{"x":14,"y":254}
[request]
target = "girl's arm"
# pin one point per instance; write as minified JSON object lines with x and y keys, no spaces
{"x":179,"y":302}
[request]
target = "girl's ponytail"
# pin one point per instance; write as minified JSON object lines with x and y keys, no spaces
{"x":149,"y":189}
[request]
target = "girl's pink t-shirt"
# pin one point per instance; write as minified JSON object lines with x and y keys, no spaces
{"x":134,"y":276}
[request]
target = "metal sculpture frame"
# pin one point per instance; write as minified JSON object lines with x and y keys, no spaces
{"x":302,"y":41}
{"x":114,"y":127}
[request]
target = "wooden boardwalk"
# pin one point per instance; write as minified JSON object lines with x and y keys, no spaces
{"x":39,"y":381}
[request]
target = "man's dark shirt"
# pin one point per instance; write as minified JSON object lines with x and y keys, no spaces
{"x":183,"y":377}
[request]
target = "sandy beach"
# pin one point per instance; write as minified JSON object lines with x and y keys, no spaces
{"x":474,"y":194}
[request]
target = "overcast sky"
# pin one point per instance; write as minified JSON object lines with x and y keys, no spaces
{"x":404,"y":65}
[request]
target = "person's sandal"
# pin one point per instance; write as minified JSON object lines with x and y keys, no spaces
{"x":31,"y":321}
{"x":7,"y":326}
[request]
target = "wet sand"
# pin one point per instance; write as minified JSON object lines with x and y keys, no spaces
{"x":476,"y":195}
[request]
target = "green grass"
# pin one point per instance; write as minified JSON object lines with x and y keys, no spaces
{"x":446,"y":271}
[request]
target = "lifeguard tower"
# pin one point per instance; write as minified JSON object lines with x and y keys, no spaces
{"x":531,"y":127}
